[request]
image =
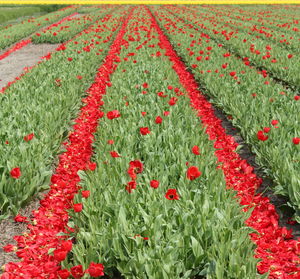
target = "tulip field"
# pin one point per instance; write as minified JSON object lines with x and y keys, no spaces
{"x":117,"y":127}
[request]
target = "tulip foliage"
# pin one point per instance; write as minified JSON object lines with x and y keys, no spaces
{"x":69,"y":28}
{"x":37,"y":112}
{"x":266,"y":112}
{"x":261,"y":51}
{"x":144,"y":180}
{"x":164,"y":177}
{"x":14,"y":33}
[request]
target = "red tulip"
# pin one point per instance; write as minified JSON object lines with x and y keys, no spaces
{"x":92,"y":166}
{"x":77,"y":207}
{"x":161,"y":94}
{"x":173,"y":101}
{"x":137,"y":166}
{"x":15,"y":173}
{"x":154,"y":184}
{"x":95,"y":270}
{"x":67,"y":245}
{"x":131,"y":185}
{"x":267,"y":129}
{"x":113,"y":114}
{"x":114,"y":154}
{"x":261,"y":136}
{"x":60,"y":255}
{"x":158,"y":120}
{"x":296,"y":140}
{"x":195,"y":150}
{"x":171,"y":194}
{"x":85,"y":194}
{"x":77,"y":271}
{"x":29,"y":137}
{"x":144,"y":131}
{"x":63,"y":274}
{"x":193,"y":173}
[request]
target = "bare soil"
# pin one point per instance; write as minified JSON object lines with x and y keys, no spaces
{"x":13,"y":65}
{"x":9,"y":228}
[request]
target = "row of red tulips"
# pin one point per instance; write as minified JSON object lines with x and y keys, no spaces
{"x":51,"y":219}
{"x":16,"y":32}
{"x":100,"y":210}
{"x":264,"y":110}
{"x":230,"y":18}
{"x":282,"y":63}
{"x":25,"y":42}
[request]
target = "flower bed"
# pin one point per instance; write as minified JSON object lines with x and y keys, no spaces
{"x":142,"y":189}
{"x":43,"y":102}
{"x":16,"y":32}
{"x":263,"y":109}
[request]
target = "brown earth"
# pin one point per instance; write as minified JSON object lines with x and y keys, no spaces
{"x":13,"y":65}
{"x":9,"y":228}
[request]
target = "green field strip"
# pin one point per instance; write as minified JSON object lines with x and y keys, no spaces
{"x":250,"y":113}
{"x":275,"y":12}
{"x":21,"y":30}
{"x":68,"y":29}
{"x":88,"y":9}
{"x":9,"y":14}
{"x":284,"y":68}
{"x":44,"y":102}
{"x":142,"y":234}
{"x":247,"y":27}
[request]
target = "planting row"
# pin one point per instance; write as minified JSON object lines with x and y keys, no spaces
{"x":89,"y":9}
{"x":162,"y":203}
{"x":16,"y":32}
{"x":277,"y":16}
{"x":63,"y":32}
{"x":265,"y":112}
{"x":272,"y":18}
{"x":37,"y":110}
{"x":155,"y":200}
{"x":7,"y":14}
{"x":285,"y":39}
{"x":153,"y":203}
{"x":282,"y":63}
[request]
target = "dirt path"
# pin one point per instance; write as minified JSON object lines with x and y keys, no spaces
{"x":13,"y":65}
{"x":9,"y":228}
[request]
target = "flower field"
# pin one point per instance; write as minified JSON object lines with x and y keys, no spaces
{"x":142,"y":179}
